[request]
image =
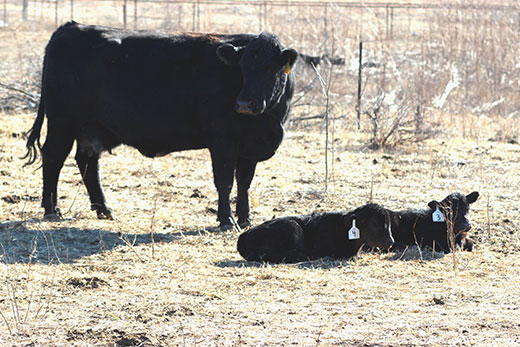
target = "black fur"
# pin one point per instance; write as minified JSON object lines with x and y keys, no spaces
{"x":160,"y":93}
{"x":298,"y":238}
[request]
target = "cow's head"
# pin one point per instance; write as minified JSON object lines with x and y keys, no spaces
{"x":455,"y":209}
{"x":265,"y":67}
{"x":373,"y":222}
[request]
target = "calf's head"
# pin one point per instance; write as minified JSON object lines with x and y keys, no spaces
{"x":373,"y":222}
{"x":265,"y":68}
{"x":455,"y":210}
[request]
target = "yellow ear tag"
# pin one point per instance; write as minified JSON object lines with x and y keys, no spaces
{"x":287,"y":68}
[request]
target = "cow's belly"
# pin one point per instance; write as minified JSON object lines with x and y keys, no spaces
{"x":168,"y":137}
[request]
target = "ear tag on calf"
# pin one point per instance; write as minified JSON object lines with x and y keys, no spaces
{"x":438,"y":216}
{"x":353,"y":233}
{"x":287,"y":68}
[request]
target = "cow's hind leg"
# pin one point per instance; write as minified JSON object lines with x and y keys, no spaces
{"x":54,"y":152}
{"x":88,"y":164}
{"x":244,"y":175}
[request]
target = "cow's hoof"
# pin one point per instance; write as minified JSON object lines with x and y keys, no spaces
{"x":226,"y":227}
{"x":52,"y":217}
{"x":104,"y":214}
{"x":102,"y":211}
{"x":244,"y":222}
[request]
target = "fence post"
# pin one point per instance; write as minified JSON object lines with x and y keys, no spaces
{"x":135,"y":14}
{"x":264,"y":14}
{"x":387,"y":21}
{"x":391,"y":22}
{"x":358,"y":107}
{"x":56,"y":13}
{"x":124,"y":13}
{"x":194,"y":17}
{"x":5,"y":13}
{"x":24,"y":9}
{"x":198,"y":15}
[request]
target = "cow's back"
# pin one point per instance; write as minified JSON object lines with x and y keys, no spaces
{"x":143,"y":87}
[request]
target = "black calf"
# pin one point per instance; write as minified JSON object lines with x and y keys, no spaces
{"x":429,"y":227}
{"x":293,"y":239}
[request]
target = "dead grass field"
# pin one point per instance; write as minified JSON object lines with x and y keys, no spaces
{"x":161,"y":275}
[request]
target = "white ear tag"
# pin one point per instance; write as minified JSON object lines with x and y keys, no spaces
{"x":353,"y":233}
{"x":438,"y":216}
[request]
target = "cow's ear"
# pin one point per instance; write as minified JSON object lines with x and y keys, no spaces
{"x":229,"y":54}
{"x":472,"y":197}
{"x":288,"y":57}
{"x":433,"y":204}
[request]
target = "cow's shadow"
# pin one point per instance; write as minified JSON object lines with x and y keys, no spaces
{"x":25,"y":243}
{"x":322,"y":263}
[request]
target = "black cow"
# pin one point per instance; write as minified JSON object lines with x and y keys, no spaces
{"x":425,"y":227}
{"x":293,"y":239}
{"x":160,"y":93}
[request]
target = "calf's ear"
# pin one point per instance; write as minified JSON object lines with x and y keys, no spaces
{"x":472,"y":197}
{"x":229,"y":54}
{"x":347,"y":219}
{"x":433,"y":204}
{"x":288,"y":56}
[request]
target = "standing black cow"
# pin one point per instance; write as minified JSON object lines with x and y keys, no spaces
{"x":298,"y":238}
{"x":429,"y":227}
{"x":162,"y":93}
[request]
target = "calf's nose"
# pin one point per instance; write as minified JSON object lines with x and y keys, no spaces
{"x":465,"y":226}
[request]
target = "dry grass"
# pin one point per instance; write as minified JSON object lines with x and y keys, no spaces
{"x":161,"y":275}
{"x":83,"y":281}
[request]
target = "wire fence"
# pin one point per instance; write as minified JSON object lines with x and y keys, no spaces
{"x":226,"y":15}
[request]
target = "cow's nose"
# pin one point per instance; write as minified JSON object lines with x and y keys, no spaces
{"x":246,"y":106}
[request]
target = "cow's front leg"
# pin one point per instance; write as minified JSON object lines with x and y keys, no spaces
{"x":244,"y":175}
{"x":223,"y":162}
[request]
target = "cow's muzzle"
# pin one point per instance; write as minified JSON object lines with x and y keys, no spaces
{"x":251,"y":107}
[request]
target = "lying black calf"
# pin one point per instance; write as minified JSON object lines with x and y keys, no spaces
{"x":429,"y":227}
{"x":336,"y":235}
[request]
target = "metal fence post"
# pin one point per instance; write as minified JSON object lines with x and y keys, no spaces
{"x":198,"y":15}
{"x":5,"y":13}
{"x":124,"y":13}
{"x":194,"y":16}
{"x":260,"y":17}
{"x":24,"y":9}
{"x":358,"y":107}
{"x":135,"y":14}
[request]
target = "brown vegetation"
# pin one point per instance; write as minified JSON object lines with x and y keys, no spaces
{"x":160,"y":274}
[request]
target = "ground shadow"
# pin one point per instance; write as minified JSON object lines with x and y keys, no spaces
{"x":19,"y":243}
{"x":414,"y":252}
{"x":322,"y":263}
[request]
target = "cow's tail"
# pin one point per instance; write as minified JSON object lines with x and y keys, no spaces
{"x":33,"y":140}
